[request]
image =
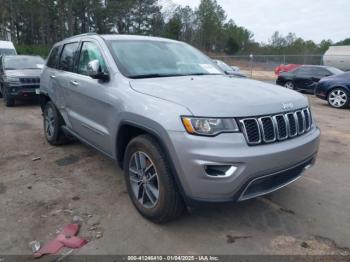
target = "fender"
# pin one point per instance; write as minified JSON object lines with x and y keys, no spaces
{"x":156,"y":130}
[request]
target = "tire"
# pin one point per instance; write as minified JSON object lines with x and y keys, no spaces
{"x":9,"y":101}
{"x":53,"y":122}
{"x":143,"y":193}
{"x":338,"y":98}
{"x":289,"y":85}
{"x":1,"y":96}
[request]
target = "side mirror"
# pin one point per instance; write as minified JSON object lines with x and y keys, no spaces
{"x":94,"y":71}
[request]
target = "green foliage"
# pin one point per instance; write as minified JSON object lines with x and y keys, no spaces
{"x":210,"y":19}
{"x":40,"y":50}
{"x":173,"y":28}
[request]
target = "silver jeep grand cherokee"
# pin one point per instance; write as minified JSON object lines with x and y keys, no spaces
{"x":182,"y":130}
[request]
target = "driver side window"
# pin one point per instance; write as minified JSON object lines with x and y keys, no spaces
{"x":90,"y":52}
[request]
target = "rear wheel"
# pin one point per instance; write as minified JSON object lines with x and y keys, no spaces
{"x":53,"y":122}
{"x":289,"y":85}
{"x":149,"y":181}
{"x":338,"y":98}
{"x":1,"y":91}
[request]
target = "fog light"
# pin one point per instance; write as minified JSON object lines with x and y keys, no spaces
{"x":220,"y":171}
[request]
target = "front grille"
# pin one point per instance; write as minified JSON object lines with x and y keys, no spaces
{"x":32,"y":80}
{"x":268,"y":129}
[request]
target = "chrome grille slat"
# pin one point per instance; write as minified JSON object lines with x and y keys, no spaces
{"x":300,"y":122}
{"x":251,"y":137}
{"x":293,"y":124}
{"x":307,"y":117}
{"x":266,"y":124}
{"x":279,"y":127}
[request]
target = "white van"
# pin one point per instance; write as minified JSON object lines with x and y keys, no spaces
{"x":7,"y":48}
{"x":338,"y":56}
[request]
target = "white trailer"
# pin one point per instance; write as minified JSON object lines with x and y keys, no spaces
{"x":338,"y":56}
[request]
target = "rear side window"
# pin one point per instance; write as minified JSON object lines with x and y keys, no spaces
{"x":54,"y":57}
{"x":303,"y":71}
{"x":67,"y":57}
{"x":321,"y":72}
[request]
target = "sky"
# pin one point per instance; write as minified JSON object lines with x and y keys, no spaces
{"x":310,"y":19}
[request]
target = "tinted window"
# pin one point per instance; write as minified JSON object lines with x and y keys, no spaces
{"x":320,"y":71}
{"x":303,"y":71}
{"x":23,"y":62}
{"x":334,"y":70}
{"x":90,"y":52}
{"x":67,"y":56}
{"x":54,"y":57}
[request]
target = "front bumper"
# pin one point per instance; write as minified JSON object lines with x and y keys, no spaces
{"x":194,"y":153}
{"x":320,"y":93}
{"x":21,"y":92}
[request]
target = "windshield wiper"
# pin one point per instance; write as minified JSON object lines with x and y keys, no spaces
{"x":153,"y":76}
{"x":203,"y":74}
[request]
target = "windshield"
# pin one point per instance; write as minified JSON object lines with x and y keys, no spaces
{"x":225,"y":67}
{"x":141,"y":59}
{"x":334,"y":70}
{"x":5,"y":51}
{"x":21,"y":62}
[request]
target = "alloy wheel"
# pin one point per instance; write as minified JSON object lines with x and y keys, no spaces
{"x":144,"y":179}
{"x":50,"y":123}
{"x":289,"y":85}
{"x":337,"y":98}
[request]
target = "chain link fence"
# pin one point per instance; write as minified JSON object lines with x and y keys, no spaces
{"x":263,"y":66}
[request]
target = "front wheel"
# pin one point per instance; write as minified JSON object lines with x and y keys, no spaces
{"x":149,"y":181}
{"x":9,"y":101}
{"x":289,"y":85}
{"x":338,"y":98}
{"x":53,"y":122}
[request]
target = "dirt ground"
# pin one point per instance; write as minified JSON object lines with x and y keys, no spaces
{"x":37,"y":198}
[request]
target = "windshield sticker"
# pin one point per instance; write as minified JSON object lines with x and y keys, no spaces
{"x":210,"y":68}
{"x":40,"y":66}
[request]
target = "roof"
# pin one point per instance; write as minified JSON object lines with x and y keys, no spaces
{"x":6,"y":44}
{"x":135,"y":37}
{"x":315,"y":66}
{"x":118,"y":37}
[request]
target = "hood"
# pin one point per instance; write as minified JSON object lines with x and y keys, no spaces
{"x":221,"y":96}
{"x":24,"y":73}
{"x":339,"y":77}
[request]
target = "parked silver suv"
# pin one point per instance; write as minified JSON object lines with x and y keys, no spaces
{"x":182,"y":130}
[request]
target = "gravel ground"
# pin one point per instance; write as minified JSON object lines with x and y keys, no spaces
{"x":37,"y":198}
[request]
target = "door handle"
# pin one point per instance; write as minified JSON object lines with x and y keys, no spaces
{"x":52,"y":76}
{"x":74,"y":83}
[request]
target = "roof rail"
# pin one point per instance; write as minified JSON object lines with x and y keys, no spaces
{"x":85,"y":34}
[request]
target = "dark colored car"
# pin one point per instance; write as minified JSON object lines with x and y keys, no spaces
{"x":19,"y":77}
{"x":228,"y":70}
{"x":306,"y":77}
{"x":335,"y":89}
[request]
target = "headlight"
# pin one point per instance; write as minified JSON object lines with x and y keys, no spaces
{"x":209,"y":126}
{"x":12,"y":80}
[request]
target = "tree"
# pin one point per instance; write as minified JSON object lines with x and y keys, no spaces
{"x":142,"y":13}
{"x":210,"y":17}
{"x":173,"y":28}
